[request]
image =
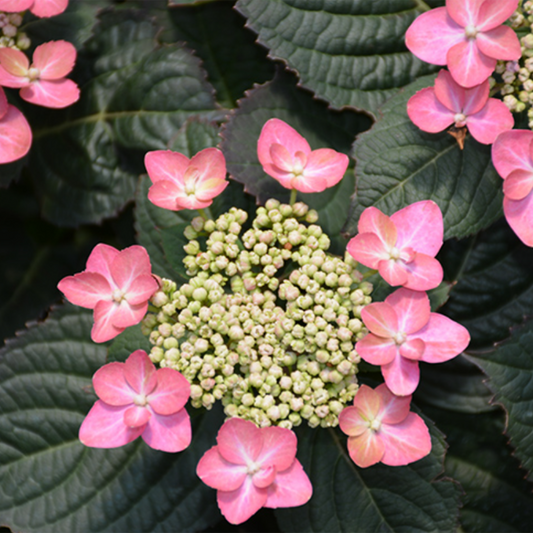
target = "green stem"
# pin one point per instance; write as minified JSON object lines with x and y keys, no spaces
{"x":203,"y":214}
{"x":294,"y":192}
{"x":422,"y":5}
{"x":369,"y":273}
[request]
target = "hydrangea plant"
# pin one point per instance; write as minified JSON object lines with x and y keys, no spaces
{"x":287,"y":246}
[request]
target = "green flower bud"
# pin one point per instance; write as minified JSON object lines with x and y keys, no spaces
{"x":271,"y":204}
{"x":312,"y":217}
{"x":196,"y":392}
{"x":190,"y":233}
{"x":307,"y":411}
{"x":198,"y":224}
{"x":300,"y":209}
{"x":159,"y":299}
{"x":156,"y":355}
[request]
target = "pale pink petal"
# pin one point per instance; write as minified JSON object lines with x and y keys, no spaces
{"x":218,"y":473}
{"x":111,"y":386}
{"x":103,"y":329}
{"x":376,"y":350}
{"x":366,"y":449}
{"x":413,"y":349}
{"x":210,"y":163}
{"x":352,"y":422}
{"x":141,"y":290}
{"x":394,"y":408}
{"x":420,"y":226}
{"x":136,"y":416}
{"x":381,"y":319}
{"x":281,"y":158}
{"x":85,"y":289}
{"x":411,"y":307}
{"x":464,"y":12}
{"x":511,"y":151}
{"x":15,"y":6}
{"x":491,"y":121}
{"x":171,"y":393}
{"x":432,"y":34}
{"x":8,"y":80}
{"x":166,"y":165}
{"x":372,"y":220}
{"x":125,"y":315}
{"x":54,"y":59}
{"x":48,"y":8}
{"x":500,"y":43}
{"x":170,"y":433}
{"x":368,"y":402}
{"x":15,"y":135}
{"x":309,"y":184}
{"x":443,"y":337}
{"x":449,"y":94}
{"x":467,"y":65}
{"x":426,"y":112}
{"x":405,"y":442}
{"x":239,"y":441}
{"x":15,"y":62}
{"x":3,"y":103}
{"x":209,"y":189}
{"x":54,"y":93}
{"x":326,"y":163}
{"x":264,"y":477}
{"x":518,"y":184}
{"x":492,"y":13}
{"x":129,"y":264}
{"x":164,"y":193}
{"x":423,"y":273}
{"x":104,"y":427}
{"x":291,"y":488}
{"x":101,"y":259}
{"x":393,"y":272}
{"x":476,"y":98}
{"x":140,"y":372}
{"x":279,"y":448}
{"x":519,"y":215}
{"x":367,"y":249}
{"x":239,"y":505}
{"x":190,"y":202}
{"x":401,"y":375}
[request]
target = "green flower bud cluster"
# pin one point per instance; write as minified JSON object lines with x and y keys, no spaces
{"x":10,"y":36}
{"x":268,"y":321}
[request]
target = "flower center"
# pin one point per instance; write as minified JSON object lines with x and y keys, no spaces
{"x":141,"y":400}
{"x":190,"y":179}
{"x":33,"y":73}
{"x":252,"y":468}
{"x":399,"y":338}
{"x":299,"y":162}
{"x":375,"y":425}
{"x":460,"y":120}
{"x":395,"y":254}
{"x":118,"y":295}
{"x":471,"y":31}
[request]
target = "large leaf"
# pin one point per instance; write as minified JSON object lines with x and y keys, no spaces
{"x":50,"y":482}
{"x":322,"y":127}
{"x":138,"y":96}
{"x":378,"y":498}
{"x":348,"y":52}
{"x":398,"y":164}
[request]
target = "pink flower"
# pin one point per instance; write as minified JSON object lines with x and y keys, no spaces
{"x":287,"y":157}
{"x":15,"y":132}
{"x":40,"y":8}
{"x":254,"y":467}
{"x":401,"y":247}
{"x":435,"y":108}
{"x":512,"y":155}
{"x":381,"y":428}
{"x":117,"y":285}
{"x":183,"y":183}
{"x":138,"y":400}
{"x":466,"y":35}
{"x":43,"y":83}
{"x":403,"y":331}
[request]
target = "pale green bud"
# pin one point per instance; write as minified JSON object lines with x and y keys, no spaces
{"x":311,"y":217}
{"x":196,"y":392}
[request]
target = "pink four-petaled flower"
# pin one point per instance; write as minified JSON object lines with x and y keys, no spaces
{"x":15,"y":132}
{"x":254,"y":467}
{"x":43,"y":82}
{"x":466,"y":35}
{"x":136,"y":400}
{"x":401,"y":247}
{"x":287,"y":157}
{"x":435,"y":108}
{"x":403,"y":331}
{"x":183,"y":183}
{"x":40,"y":8}
{"x":381,"y":428}
{"x":117,"y":285}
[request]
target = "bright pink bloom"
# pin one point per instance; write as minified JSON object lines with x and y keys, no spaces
{"x":512,"y":155}
{"x":254,"y":467}
{"x":117,"y":285}
{"x":15,"y":132}
{"x":401,"y":247}
{"x":183,"y":183}
{"x":403,"y":331}
{"x":138,"y":400}
{"x":466,"y":35}
{"x":381,"y":428}
{"x":288,"y":158}
{"x":40,"y":8}
{"x":43,"y":82}
{"x":435,"y":108}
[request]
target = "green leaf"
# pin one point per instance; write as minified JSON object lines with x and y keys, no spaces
{"x":50,"y":482}
{"x":312,"y":119}
{"x":349,"y":53}
{"x":378,"y":498}
{"x":127,"y":342}
{"x":397,"y":164}
{"x":510,"y":371}
{"x":11,"y":171}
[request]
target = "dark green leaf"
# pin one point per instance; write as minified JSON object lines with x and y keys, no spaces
{"x":50,"y":482}
{"x":397,"y":164}
{"x":173,"y":242}
{"x":11,"y":171}
{"x":126,"y":343}
{"x":349,"y":53}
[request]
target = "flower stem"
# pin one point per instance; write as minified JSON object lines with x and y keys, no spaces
{"x":294,"y":192}
{"x":369,"y":273}
{"x":204,"y":215}
{"x":422,"y":5}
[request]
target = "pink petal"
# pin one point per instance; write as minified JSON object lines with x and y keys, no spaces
{"x":281,"y":158}
{"x":279,"y":448}
{"x":8,"y":80}
{"x":190,"y":202}
{"x":210,"y":163}
{"x":372,"y":220}
{"x":239,"y":441}
{"x":164,"y":193}
{"x":100,"y":260}
{"x":401,"y":375}
{"x":366,"y":449}
{"x":381,"y":319}
{"x":128,"y":265}
{"x":85,"y":289}
{"x":141,"y":290}
{"x":136,"y":416}
{"x":111,"y":386}
{"x":432,"y":34}
{"x":166,"y":165}
{"x":511,"y":151}
{"x":264,"y":477}
{"x":449,"y":94}
{"x":15,"y":135}
{"x":291,"y":488}
{"x":367,"y":249}
{"x":239,"y":505}
{"x":171,"y":393}
{"x":518,"y":184}
{"x":124,"y":315}
{"x":444,"y":339}
{"x":394,"y":408}
{"x":48,"y":8}
{"x":218,"y":473}
{"x":352,"y":422}
{"x":54,"y":93}
{"x":467,"y":65}
{"x":464,"y":12}
{"x":55,"y":59}
{"x":209,"y":189}
{"x":492,"y":13}
{"x":519,"y":215}
{"x":3,"y":103}
{"x":393,"y":272}
{"x":413,"y":349}
{"x":104,"y":427}
{"x":500,"y":43}
{"x":405,"y":442}
{"x":411,"y":307}
{"x":376,"y":350}
{"x":491,"y":121}
{"x":16,"y":63}
{"x":168,"y":433}
{"x":476,"y":98}
{"x":426,"y":112}
{"x":423,"y":273}
{"x":140,"y":372}
{"x":308,"y":184}
{"x":15,"y":6}
{"x":368,"y":402}
{"x":103,"y":329}
{"x":328,"y":164}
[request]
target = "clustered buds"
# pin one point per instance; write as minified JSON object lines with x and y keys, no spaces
{"x":274,"y":352}
{"x":10,"y":35}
